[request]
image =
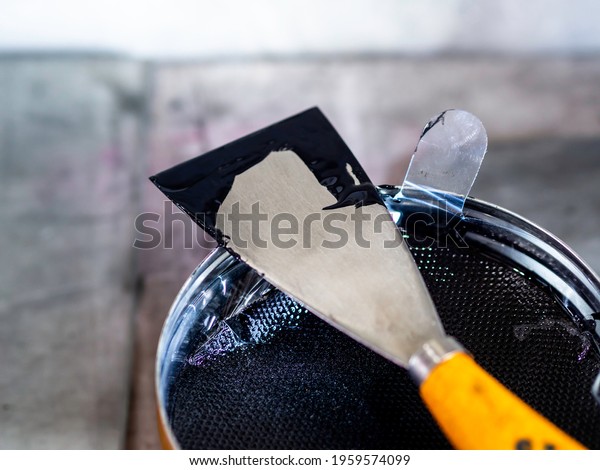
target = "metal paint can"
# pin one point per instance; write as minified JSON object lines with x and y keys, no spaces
{"x":505,"y":260}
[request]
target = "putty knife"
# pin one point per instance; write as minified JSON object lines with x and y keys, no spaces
{"x":293,"y":202}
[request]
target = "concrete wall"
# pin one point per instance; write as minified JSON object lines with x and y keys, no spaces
{"x":69,"y":157}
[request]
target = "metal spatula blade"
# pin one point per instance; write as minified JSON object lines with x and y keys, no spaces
{"x":343,"y":258}
{"x":446,"y":160}
{"x":360,"y":276}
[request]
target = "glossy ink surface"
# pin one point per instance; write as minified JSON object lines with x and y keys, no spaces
{"x":255,"y":325}
{"x":199,"y":186}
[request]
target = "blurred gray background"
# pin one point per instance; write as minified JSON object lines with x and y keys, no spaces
{"x":95,"y":97}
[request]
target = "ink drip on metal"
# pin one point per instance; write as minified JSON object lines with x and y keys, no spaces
{"x":199,"y":186}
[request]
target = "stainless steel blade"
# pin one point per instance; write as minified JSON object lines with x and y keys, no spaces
{"x":349,"y":265}
{"x":446,"y":160}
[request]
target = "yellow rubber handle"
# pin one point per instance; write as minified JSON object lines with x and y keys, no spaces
{"x":475,"y":411}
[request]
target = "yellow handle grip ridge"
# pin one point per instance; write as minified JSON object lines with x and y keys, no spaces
{"x":475,"y":411}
